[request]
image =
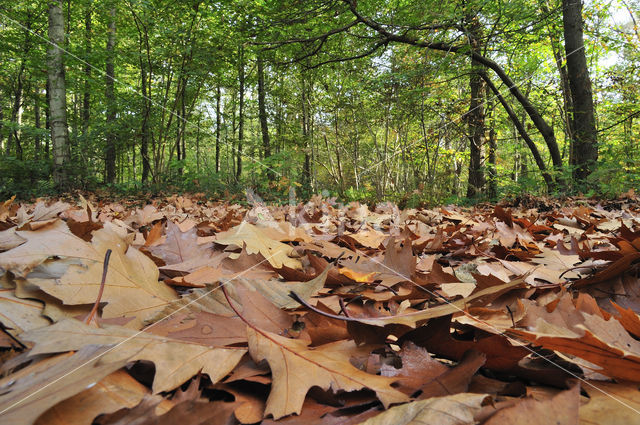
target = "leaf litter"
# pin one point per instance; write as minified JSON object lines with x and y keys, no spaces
{"x":319,"y":313}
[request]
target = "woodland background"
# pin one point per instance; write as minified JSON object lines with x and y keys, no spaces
{"x":368,"y":100}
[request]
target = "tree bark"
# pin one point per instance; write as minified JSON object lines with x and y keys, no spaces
{"x":585,"y":137}
{"x":57,"y":96}
{"x":218,"y":120}
{"x":86,"y":99}
{"x":476,"y":115}
{"x":262,"y":109}
{"x":110,"y":149}
{"x":240,"y":111}
{"x":36,"y":117}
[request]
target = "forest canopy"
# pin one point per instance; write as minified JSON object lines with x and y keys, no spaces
{"x":415,"y":101}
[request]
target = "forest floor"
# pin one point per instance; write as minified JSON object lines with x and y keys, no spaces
{"x":184,"y":310}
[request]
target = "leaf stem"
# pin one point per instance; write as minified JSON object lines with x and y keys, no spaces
{"x":105,"y":267}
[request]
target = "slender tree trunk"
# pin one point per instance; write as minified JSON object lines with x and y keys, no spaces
{"x":262,"y":110}
{"x":86,"y":99}
{"x":57,"y":96}
{"x":476,"y":115}
{"x":110,"y":150}
{"x":519,"y":126}
{"x":218,"y":121}
{"x":585,"y":138}
{"x":240,"y":111}
{"x":306,"y":167}
{"x":36,"y":117}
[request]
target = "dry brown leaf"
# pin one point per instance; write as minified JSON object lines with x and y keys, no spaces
{"x":30,"y":392}
{"x":603,"y":343}
{"x":256,"y":241}
{"x":560,"y":410}
{"x":113,"y":392}
{"x":131,"y":287}
{"x":296,"y":368}
{"x":176,"y":361}
{"x":458,"y":409}
{"x":610,"y":403}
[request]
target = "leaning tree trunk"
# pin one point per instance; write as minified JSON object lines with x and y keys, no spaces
{"x":585,"y":137}
{"x":110,"y":149}
{"x":57,"y":96}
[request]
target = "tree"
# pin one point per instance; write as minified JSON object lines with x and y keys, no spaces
{"x":110,"y":149}
{"x":585,"y":143}
{"x":476,"y":116}
{"x":58,"y":95}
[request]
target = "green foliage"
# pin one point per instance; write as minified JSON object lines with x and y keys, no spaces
{"x":391,"y":124}
{"x":25,"y":179}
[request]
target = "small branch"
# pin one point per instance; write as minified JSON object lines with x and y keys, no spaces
{"x":105,"y":267}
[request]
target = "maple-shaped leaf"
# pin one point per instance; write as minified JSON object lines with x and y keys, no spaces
{"x":176,"y":361}
{"x":255,"y":240}
{"x":278,"y":292}
{"x":181,"y":250}
{"x":131,"y":286}
{"x":457,"y":409}
{"x":296,"y":368}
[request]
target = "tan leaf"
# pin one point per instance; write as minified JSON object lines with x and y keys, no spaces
{"x":276,"y":253}
{"x":131,"y":288}
{"x":458,"y":409}
{"x":176,"y":361}
{"x":561,"y":410}
{"x":114,"y":392}
{"x":30,"y":392}
{"x":296,"y":368}
{"x":610,"y":404}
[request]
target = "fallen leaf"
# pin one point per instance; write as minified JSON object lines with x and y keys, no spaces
{"x":296,"y":368}
{"x":176,"y":361}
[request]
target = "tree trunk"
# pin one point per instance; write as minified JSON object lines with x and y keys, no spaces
{"x":585,"y":137}
{"x":522,"y":131}
{"x":36,"y":117}
{"x":110,"y":149}
{"x":240,"y":111}
{"x":262,"y":110}
{"x":86,"y":99}
{"x":476,"y":115}
{"x":306,"y":167}
{"x":57,"y":96}
{"x":218,"y":120}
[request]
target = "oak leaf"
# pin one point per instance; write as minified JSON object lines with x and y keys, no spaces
{"x":176,"y":361}
{"x":296,"y":368}
{"x":276,"y":253}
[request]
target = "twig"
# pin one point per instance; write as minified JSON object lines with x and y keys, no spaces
{"x":105,"y":267}
{"x":297,"y":298}
{"x":343,"y":307}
